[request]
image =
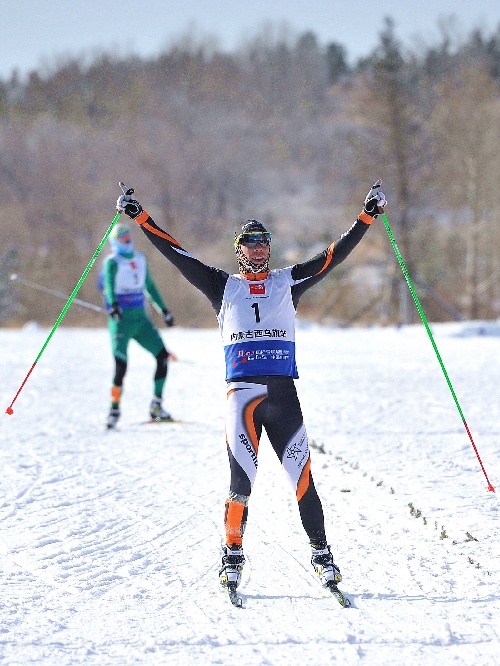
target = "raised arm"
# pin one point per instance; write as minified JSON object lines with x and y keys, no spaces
{"x":310,"y":272}
{"x":210,"y":281}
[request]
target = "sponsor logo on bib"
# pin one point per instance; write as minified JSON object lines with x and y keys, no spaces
{"x":257,"y":288}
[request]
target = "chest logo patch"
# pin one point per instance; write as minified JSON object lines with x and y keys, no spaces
{"x":257,"y":288}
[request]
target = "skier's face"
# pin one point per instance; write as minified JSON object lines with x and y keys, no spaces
{"x":258,"y":255}
{"x":125,"y":238}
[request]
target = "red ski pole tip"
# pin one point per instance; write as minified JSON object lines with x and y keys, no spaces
{"x":9,"y":410}
{"x":490,"y":488}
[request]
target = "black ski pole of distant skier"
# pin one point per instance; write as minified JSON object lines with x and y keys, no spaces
{"x":9,"y":409}
{"x":431,"y":337}
{"x":90,"y":306}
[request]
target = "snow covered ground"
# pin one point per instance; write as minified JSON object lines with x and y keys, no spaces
{"x":109,"y":541}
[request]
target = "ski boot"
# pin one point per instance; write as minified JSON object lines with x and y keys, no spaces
{"x":324,"y":566}
{"x":113,"y":416}
{"x":328,"y":572}
{"x":157,"y":412}
{"x":232,"y":565}
{"x":230,"y":572}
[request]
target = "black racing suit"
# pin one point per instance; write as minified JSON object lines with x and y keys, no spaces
{"x":268,"y":401}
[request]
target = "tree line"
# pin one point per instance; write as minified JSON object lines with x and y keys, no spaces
{"x":284,"y":130}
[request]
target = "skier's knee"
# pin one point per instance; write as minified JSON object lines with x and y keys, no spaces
{"x":120,"y":370}
{"x":161,"y":364}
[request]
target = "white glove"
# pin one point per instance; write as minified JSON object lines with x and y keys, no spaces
{"x":127,"y":204}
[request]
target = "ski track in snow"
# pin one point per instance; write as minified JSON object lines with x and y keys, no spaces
{"x":110,"y":541}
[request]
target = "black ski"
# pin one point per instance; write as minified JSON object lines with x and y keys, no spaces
{"x":152,"y":421}
{"x":341,"y":598}
{"x":233,"y":595}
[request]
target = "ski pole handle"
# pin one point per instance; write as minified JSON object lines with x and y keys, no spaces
{"x":128,"y":191}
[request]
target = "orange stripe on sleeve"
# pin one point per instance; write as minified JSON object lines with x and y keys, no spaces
{"x":364,"y":217}
{"x":328,"y":259}
{"x":142,"y":220}
{"x":142,"y":217}
{"x":303,"y":483}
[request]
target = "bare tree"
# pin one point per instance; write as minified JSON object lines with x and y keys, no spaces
{"x":211,"y":138}
{"x":393,"y":144}
{"x":466,"y":127}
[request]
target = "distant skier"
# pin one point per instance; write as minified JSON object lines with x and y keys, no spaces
{"x":126,"y":281}
{"x":256,"y":311}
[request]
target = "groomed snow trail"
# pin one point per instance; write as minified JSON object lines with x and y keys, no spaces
{"x":109,"y":541}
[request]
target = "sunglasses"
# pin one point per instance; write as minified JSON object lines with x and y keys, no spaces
{"x":252,"y":239}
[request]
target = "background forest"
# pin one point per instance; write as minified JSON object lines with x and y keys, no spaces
{"x":283,"y":130}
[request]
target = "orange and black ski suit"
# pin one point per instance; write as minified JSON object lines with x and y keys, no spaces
{"x":260,"y":367}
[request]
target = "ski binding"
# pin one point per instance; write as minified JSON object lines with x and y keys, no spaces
{"x":233,"y":595}
{"x":341,"y":598}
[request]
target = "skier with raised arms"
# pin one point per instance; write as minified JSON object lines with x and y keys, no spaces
{"x":256,"y":311}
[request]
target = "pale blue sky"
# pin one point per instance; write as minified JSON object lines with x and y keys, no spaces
{"x":38,"y":32}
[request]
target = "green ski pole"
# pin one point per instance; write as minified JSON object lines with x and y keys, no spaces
{"x":431,"y":337}
{"x":9,"y":409}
